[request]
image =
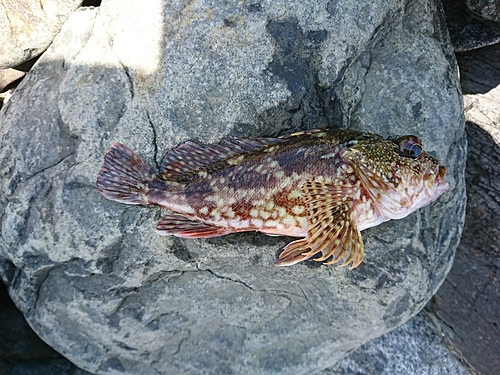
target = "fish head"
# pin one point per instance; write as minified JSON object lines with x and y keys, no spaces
{"x":398,"y":175}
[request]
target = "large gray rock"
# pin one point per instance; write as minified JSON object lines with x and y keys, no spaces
{"x":90,"y":275}
{"x":412,"y":349}
{"x":21,"y":350}
{"x":467,"y":306}
{"x":27,"y":27}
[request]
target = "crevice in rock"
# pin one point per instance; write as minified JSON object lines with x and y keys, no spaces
{"x":477,"y":313}
{"x":124,"y":67}
{"x":472,"y":80}
{"x":307,"y":299}
{"x":178,"y":350}
{"x":122,"y":301}
{"x":479,"y":293}
{"x":129,"y":77}
{"x":50,"y":166}
{"x":163,"y":275}
{"x":494,"y":67}
{"x":439,"y":324}
{"x":91,"y":3}
{"x":281,"y":293}
{"x":446,"y":281}
{"x":155,"y":144}
{"x":229,"y":279}
{"x":37,"y":287}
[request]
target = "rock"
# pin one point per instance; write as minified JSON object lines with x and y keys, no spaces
{"x":95,"y":281}
{"x":412,"y":349}
{"x":467,"y":32}
{"x":59,"y":366}
{"x":9,"y":77}
{"x":466,"y":308}
{"x":5,"y":96}
{"x":27,"y":27}
{"x":486,"y":9}
{"x":21,"y":351}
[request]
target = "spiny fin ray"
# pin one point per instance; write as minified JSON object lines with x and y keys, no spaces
{"x":184,"y":227}
{"x":182,"y":163}
{"x":332,"y":233}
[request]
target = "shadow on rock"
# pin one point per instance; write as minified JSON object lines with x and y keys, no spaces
{"x":22,"y":351}
{"x":479,"y":70}
{"x":467,"y":306}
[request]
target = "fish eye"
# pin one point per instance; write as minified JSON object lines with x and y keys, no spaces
{"x":415,"y":151}
{"x":410,"y":146}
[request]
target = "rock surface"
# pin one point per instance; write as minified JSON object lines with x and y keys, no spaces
{"x":415,"y":348}
{"x":412,"y":349}
{"x":9,"y":79}
{"x":468,"y":32}
{"x":467,"y":306}
{"x":27,"y":27}
{"x":485,"y":9}
{"x":98,"y":285}
{"x":21,"y":351}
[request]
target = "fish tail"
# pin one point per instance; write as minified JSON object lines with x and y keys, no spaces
{"x":124,"y":176}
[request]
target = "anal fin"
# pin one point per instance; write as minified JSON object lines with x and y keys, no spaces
{"x":184,"y":227}
{"x":332,"y":230}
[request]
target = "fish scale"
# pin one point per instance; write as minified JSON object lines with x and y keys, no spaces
{"x":324,"y":185}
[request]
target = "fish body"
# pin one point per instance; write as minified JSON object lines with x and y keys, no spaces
{"x":324,"y":185}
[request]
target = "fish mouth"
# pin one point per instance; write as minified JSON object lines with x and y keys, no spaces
{"x":437,"y":185}
{"x":441,"y":173}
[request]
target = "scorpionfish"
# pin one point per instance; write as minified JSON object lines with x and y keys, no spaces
{"x":322,"y":185}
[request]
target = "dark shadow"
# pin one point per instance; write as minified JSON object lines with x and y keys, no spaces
{"x":466,"y":307}
{"x":21,"y":350}
{"x":467,"y":32}
{"x":479,"y":69}
{"x":91,"y":3}
{"x":7,"y":83}
{"x":482,"y":176}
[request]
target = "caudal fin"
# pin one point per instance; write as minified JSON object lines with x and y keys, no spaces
{"x":124,"y":176}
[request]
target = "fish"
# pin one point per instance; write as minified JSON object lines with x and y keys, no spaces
{"x":323,"y":186}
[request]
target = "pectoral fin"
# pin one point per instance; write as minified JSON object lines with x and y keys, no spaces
{"x":332,"y":230}
{"x":184,"y":227}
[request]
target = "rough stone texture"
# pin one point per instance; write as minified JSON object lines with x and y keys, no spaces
{"x":27,"y":27}
{"x":412,"y":349}
{"x":415,"y":348}
{"x":21,"y":351}
{"x":90,"y":275}
{"x":9,"y":77}
{"x":485,"y":9}
{"x":466,"y":31}
{"x":467,"y":307}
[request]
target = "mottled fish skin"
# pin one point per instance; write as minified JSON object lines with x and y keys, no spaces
{"x":324,"y":185}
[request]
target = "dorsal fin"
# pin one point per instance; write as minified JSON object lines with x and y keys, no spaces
{"x":182,"y":163}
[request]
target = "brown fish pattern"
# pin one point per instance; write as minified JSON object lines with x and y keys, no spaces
{"x":324,"y":185}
